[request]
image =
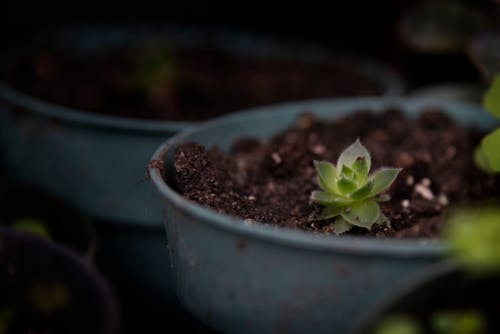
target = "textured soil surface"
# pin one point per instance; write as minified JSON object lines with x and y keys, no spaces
{"x":203,"y":82}
{"x":270,"y":182}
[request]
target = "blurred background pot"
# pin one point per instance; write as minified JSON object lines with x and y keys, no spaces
{"x":97,"y":161}
{"x":254,"y":278}
{"x":32,"y":210}
{"x":444,"y":292}
{"x":46,"y":287}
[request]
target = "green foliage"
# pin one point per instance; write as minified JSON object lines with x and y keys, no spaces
{"x":348,"y":192}
{"x":487,"y":155}
{"x":473,"y":238}
{"x":491,"y":100}
{"x":441,"y":322}
{"x":32,"y":226}
{"x":458,"y":322}
{"x":398,"y":324}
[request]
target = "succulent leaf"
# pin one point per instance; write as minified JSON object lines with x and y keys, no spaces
{"x":362,"y":214}
{"x":491,"y":100}
{"x":347,"y":172}
{"x":490,"y":146}
{"x":341,"y":226}
{"x":330,"y":211}
{"x":346,"y":186}
{"x":361,"y":170}
{"x":363,"y":192}
{"x":383,"y":178}
{"x":325,"y":198}
{"x":473,"y":238}
{"x":352,"y":153}
{"x":327,"y":174}
{"x":481,"y":160}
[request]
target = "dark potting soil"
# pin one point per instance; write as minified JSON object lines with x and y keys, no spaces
{"x":270,"y":182}
{"x":200,"y":83}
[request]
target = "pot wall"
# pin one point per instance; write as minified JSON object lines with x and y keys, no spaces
{"x":237,"y":284}
{"x":98,"y":169}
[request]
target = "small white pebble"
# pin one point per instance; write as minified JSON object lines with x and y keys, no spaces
{"x":251,"y":198}
{"x":318,"y":149}
{"x":410,"y":180}
{"x":423,"y":191}
{"x":249,"y":221}
{"x":276,"y":158}
{"x":405,"y":203}
{"x":425,"y":182}
{"x":443,"y":200}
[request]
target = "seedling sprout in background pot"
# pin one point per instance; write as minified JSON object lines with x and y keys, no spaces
{"x":350,"y":195}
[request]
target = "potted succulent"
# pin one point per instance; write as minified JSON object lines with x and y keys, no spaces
{"x":47,"y":288}
{"x":86,"y":151}
{"x":233,"y":206}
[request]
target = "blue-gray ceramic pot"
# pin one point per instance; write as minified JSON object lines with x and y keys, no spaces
{"x":98,"y":162}
{"x":282,"y":280}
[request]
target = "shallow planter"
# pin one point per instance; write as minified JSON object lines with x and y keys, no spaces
{"x":442,"y":287}
{"x":48,"y":288}
{"x":237,"y":277}
{"x":97,"y":162}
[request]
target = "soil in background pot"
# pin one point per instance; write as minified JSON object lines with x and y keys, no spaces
{"x":179,"y":83}
{"x":271,"y":182}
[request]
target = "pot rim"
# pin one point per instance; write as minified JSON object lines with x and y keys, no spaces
{"x":356,"y":245}
{"x":390,"y":82}
{"x":55,"y":111}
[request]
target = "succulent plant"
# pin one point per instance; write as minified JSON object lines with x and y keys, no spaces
{"x":349,"y":193}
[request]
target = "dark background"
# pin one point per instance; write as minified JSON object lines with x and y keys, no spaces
{"x":364,"y":27}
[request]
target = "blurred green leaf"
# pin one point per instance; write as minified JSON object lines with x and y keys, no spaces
{"x":458,"y":322}
{"x":32,"y":226}
{"x":490,"y":147}
{"x":473,"y":238}
{"x":398,"y":324}
{"x":491,"y":100}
